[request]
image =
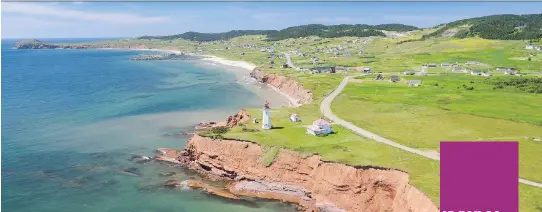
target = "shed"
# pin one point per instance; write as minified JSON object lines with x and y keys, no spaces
{"x":394,"y":79}
{"x":414,"y":83}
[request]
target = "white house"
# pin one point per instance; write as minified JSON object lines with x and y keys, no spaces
{"x":294,"y":118}
{"x":530,"y":46}
{"x":414,"y":83}
{"x":475,"y":72}
{"x":485,"y":74}
{"x":319,"y":127}
{"x":510,"y":72}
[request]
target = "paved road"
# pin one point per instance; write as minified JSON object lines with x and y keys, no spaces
{"x":325,"y":108}
{"x":289,"y":60}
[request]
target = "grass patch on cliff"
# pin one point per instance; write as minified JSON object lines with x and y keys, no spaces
{"x":270,"y":153}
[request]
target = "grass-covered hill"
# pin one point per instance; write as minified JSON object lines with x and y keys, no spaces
{"x":358,"y":30}
{"x":495,"y":27}
{"x":198,"y":36}
{"x":343,"y":30}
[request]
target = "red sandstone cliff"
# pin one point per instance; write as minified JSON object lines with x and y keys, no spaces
{"x":309,"y":182}
{"x":284,"y":84}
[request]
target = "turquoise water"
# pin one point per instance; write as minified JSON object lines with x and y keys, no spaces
{"x":71,"y":119}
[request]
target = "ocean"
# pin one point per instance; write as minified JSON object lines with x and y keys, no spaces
{"x":71,"y":120}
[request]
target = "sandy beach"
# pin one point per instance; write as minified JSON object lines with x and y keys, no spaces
{"x":241,"y":64}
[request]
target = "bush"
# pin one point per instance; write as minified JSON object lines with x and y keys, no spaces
{"x":220,"y":130}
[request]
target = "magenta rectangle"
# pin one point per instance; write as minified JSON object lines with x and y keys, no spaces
{"x":479,"y":176}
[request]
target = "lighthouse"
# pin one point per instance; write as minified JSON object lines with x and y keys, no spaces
{"x":266,"y":118}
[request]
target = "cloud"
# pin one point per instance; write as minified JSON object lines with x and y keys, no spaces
{"x":36,"y":9}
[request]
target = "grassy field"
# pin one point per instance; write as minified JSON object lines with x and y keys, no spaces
{"x":440,"y":111}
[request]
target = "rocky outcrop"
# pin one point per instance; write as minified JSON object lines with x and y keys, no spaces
{"x":284,"y":84}
{"x":34,"y":44}
{"x":314,"y":184}
{"x":37,"y":44}
{"x":241,"y":117}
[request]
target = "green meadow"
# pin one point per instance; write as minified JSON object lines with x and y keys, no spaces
{"x":443,"y":110}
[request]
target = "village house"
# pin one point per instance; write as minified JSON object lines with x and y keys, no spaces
{"x":504,"y":69}
{"x":457,"y":69}
{"x":510,"y":72}
{"x":414,"y":83}
{"x":432,"y":65}
{"x":530,"y":46}
{"x":319,"y":127}
{"x":475,"y":72}
{"x":485,"y":74}
{"x":294,"y":118}
{"x":394,"y":79}
{"x":445,"y":65}
{"x":408,"y":72}
{"x":366,"y":70}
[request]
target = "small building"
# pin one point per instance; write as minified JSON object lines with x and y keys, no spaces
{"x":294,"y":118}
{"x":394,"y":79}
{"x":432,"y":65}
{"x":366,"y":70}
{"x":319,"y":127}
{"x":414,"y":83}
{"x":445,"y":65}
{"x":408,"y":72}
{"x":285,"y":66}
{"x":510,"y":72}
{"x":530,"y":46}
{"x":472,"y":63}
{"x":504,"y":69}
{"x":379,"y":77}
{"x":476,"y":72}
{"x":485,"y":74}
{"x":457,"y":69}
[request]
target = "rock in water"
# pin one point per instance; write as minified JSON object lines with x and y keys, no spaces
{"x":167,"y":174}
{"x":140,"y":159}
{"x":172,"y":184}
{"x":132,"y":171}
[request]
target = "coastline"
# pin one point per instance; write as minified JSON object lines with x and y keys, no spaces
{"x":249,"y":67}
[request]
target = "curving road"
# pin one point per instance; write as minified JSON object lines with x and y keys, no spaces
{"x":325,"y":108}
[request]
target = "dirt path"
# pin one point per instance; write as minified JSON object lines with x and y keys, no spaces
{"x":325,"y":109}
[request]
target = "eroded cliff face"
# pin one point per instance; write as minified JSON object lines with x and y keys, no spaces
{"x":285,"y":85}
{"x":309,"y":182}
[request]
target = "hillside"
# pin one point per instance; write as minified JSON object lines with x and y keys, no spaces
{"x":198,"y":36}
{"x":496,"y":27}
{"x":343,"y":30}
{"x":358,"y":30}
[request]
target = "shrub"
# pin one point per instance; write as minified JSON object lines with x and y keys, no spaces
{"x":220,"y":130}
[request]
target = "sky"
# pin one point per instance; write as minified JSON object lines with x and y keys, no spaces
{"x":131,"y":19}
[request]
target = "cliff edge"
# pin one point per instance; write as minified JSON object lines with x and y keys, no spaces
{"x":284,"y":84}
{"x":309,"y":182}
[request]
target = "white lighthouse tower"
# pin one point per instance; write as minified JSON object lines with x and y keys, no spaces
{"x":266,"y":118}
